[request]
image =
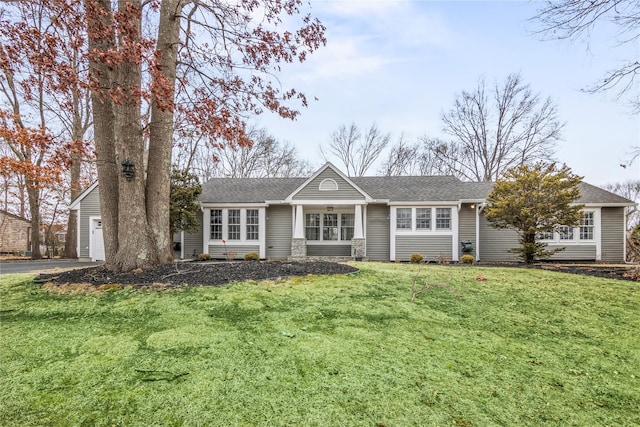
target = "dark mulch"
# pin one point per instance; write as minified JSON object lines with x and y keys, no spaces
{"x":604,"y":271}
{"x":197,"y":273}
{"x":619,"y":272}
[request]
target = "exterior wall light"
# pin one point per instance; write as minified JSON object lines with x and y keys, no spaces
{"x":128,"y":169}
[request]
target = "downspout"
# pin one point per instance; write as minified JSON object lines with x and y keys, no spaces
{"x":624,"y":236}
{"x":479,"y":210}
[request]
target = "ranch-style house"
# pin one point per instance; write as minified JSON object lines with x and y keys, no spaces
{"x":377,"y":218}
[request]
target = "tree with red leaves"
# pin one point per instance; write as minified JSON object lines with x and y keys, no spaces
{"x":42,"y":117}
{"x":210,"y":63}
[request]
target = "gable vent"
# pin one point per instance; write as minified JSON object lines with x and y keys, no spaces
{"x":328,"y":185}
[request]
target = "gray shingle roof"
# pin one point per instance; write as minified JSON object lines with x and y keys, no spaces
{"x":394,"y":189}
{"x":411,"y":188}
{"x":248,"y":190}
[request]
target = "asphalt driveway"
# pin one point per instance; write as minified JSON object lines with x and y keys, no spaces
{"x":41,"y":265}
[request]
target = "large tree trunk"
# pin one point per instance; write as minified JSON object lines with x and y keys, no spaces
{"x":102,"y":40}
{"x":161,"y":130}
{"x":34,"y":210}
{"x":136,"y":247}
{"x":71,"y":238}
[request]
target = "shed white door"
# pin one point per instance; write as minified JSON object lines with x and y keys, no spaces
{"x":97,"y":241}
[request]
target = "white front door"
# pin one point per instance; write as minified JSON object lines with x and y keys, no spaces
{"x":97,"y":242}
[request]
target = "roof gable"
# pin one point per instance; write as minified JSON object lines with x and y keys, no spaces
{"x":328,"y":183}
{"x":14,"y":216}
{"x":75,"y":204}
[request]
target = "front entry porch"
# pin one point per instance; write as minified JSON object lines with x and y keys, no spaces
{"x":323,"y":232}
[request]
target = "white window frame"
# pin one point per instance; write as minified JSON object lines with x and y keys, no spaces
{"x":321,"y":240}
{"x":433,"y":229}
{"x":244,"y":241}
{"x":328,"y":184}
{"x":575,"y":232}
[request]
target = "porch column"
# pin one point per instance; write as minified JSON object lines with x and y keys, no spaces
{"x":357,"y":226}
{"x":358,"y":243}
{"x":298,"y":231}
{"x":298,"y":243}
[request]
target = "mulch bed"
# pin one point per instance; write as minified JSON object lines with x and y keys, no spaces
{"x":197,"y":273}
{"x":221,"y":273}
{"x":619,"y":272}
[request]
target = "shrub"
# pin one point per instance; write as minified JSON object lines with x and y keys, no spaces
{"x":467,"y":259}
{"x":416,"y":258}
{"x":251,"y":256}
{"x":204,"y":257}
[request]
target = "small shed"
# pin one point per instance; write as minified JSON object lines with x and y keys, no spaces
{"x":15,"y":234}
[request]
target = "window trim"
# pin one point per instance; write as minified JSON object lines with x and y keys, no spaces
{"x":321,"y":227}
{"x":328,"y":184}
{"x":413,"y":220}
{"x":261,"y":224}
{"x":575,"y":233}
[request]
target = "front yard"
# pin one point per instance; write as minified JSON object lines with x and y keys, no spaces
{"x":521,"y":347}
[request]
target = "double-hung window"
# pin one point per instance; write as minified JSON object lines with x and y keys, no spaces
{"x":253,"y":227}
{"x":346,"y":226}
{"x":216,"y":224}
{"x":587,"y":226}
{"x":403,"y":219}
{"x":565,"y":233}
{"x":330,"y":227}
{"x":312,"y":226}
{"x":443,"y":218}
{"x":423,"y":218}
{"x":234,"y":224}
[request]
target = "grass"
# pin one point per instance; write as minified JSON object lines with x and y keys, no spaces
{"x":524,"y":347}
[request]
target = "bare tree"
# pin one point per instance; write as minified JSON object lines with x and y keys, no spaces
{"x":575,"y":19}
{"x":403,"y":159}
{"x":357,"y":151}
{"x":494,"y":129}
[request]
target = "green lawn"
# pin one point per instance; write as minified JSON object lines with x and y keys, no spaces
{"x":524,"y":347}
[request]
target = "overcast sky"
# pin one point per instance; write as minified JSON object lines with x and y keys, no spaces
{"x":401,"y":63}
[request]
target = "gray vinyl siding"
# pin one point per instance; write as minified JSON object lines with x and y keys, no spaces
{"x":193,"y":241}
{"x":279,"y":232}
{"x":496,"y":243}
{"x":378,"y":232}
{"x":345,"y":190}
{"x":467,"y":228}
{"x":218,"y":251}
{"x":430,"y":247}
{"x":573,"y":253}
{"x":89,"y":206}
{"x":328,"y":250}
{"x":612,"y":221}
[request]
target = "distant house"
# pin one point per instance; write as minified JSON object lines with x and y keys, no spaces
{"x":378,"y":218}
{"x":15,"y":234}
